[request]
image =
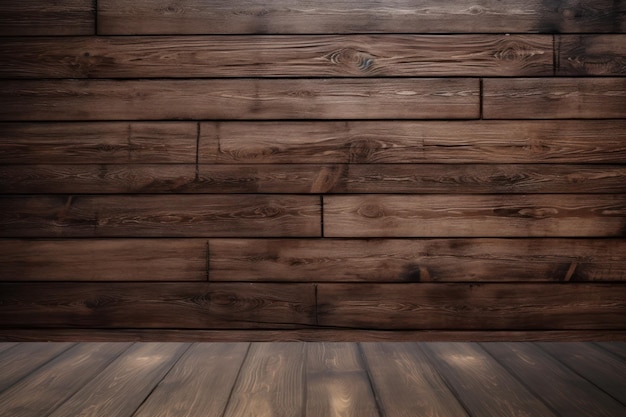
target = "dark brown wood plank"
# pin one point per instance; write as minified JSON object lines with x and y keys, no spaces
{"x":392,"y":98}
{"x":305,"y":335}
{"x":406,"y":383}
{"x":336,"y":382}
{"x":568,"y":141}
{"x":424,"y":260}
{"x":58,"y":380}
{"x":313,"y":178}
{"x":7,"y":345}
{"x":457,"y":306}
{"x":103,"y":260}
{"x":271,"y":382}
{"x":121,"y":388}
{"x":591,"y":55}
{"x":481,"y":384}
{"x":617,"y":348}
{"x":475,"y":216}
{"x":277,"y":56}
{"x":560,"y":388}
{"x":160,"y":216}
{"x":199,"y":384}
{"x":41,"y":17}
{"x":350,"y":16}
{"x":599,"y":367}
{"x":22,"y":360}
{"x":157,"y":305}
{"x":550,"y":98}
{"x":120,"y":179}
{"x":97,"y":143}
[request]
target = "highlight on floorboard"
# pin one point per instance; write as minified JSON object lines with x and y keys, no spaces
{"x":313,"y":379}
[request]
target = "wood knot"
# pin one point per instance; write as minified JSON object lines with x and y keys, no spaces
{"x":352,"y":58}
{"x":371,"y":211}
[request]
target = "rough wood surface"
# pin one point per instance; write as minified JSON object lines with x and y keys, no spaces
{"x":26,"y":358}
{"x":337,"y":383}
{"x":554,"y":98}
{"x":559,"y":387}
{"x":481,"y":384}
{"x":417,"y":260}
{"x":42,"y":17}
{"x":475,"y":216}
{"x":37,"y":100}
{"x":160,"y":216}
{"x":97,"y":143}
{"x":313,"y":178}
{"x":199,"y":384}
{"x":407,"y":384}
{"x":103,"y":260}
{"x":431,"y":306}
{"x":353,"y":16}
{"x":58,"y":379}
{"x":123,"y":385}
{"x":568,"y":141}
{"x":277,"y":56}
{"x":603,"y":55}
{"x":617,"y":348}
{"x":600,"y":367}
{"x":271,"y":382}
{"x":157,"y":305}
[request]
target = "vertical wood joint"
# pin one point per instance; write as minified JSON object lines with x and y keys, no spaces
{"x":556,"y":52}
{"x":480,"y":98}
{"x":321,"y":215}
{"x":197,"y":151}
{"x":208,"y":261}
{"x":316,"y":304}
{"x":95,"y":17}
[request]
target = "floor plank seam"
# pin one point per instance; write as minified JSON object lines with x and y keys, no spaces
{"x":365,"y":365}
{"x":232,"y":389}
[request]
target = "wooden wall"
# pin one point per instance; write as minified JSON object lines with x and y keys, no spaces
{"x":329,"y":170}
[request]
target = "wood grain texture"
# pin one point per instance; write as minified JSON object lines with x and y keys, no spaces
{"x":417,"y":260}
{"x":481,"y":384}
{"x":568,"y":141}
{"x":475,"y":216}
{"x":277,"y":56}
{"x":271,"y":382}
{"x":559,"y":387}
{"x":97,"y":143}
{"x":391,"y":98}
{"x":157,"y":305}
{"x":616,"y":348}
{"x":199,"y":384}
{"x":337,"y":383}
{"x":352,"y":16}
{"x":41,"y":17}
{"x":430,"y":306}
{"x":551,"y":98}
{"x":313,"y":178}
{"x":125,"y":383}
{"x":406,"y":384}
{"x":599,"y":367}
{"x":305,"y":335}
{"x":20,"y":361}
{"x":160,"y":216}
{"x":103,"y":260}
{"x":58,"y":379}
{"x":603,"y":55}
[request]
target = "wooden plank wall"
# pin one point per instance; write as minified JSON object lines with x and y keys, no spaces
{"x":330,"y":170}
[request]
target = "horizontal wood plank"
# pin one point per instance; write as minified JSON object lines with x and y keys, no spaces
{"x":472,"y":306}
{"x":423,"y":260}
{"x":42,"y":17}
{"x":393,"y":98}
{"x":591,"y":55}
{"x":160,"y":216}
{"x":103,"y":260}
{"x":157,"y":305}
{"x":349,"y":16}
{"x":554,"y":98}
{"x":97,"y":143}
{"x":306,"y":335}
{"x":475,"y":216}
{"x":312,"y":178}
{"x":568,"y":141}
{"x":277,"y":56}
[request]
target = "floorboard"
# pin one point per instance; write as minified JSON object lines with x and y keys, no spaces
{"x":325,"y":379}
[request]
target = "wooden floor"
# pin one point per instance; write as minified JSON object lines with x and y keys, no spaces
{"x":313,"y":379}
